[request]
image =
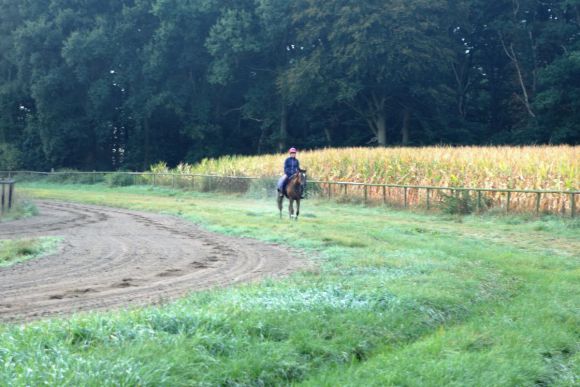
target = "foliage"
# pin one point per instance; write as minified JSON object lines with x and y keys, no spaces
{"x":72,"y":176}
{"x":104,"y":85}
{"x":460,"y":203}
{"x":262,"y":188}
{"x":10,"y":157}
{"x":119,"y":179}
{"x":559,"y":98}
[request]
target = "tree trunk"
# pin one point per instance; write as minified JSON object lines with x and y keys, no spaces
{"x":381,"y":125}
{"x":328,"y":135}
{"x":511,"y":54}
{"x":283,"y":135}
{"x":406,"y":126}
{"x":463,"y":83}
{"x":331,"y":127}
{"x":146,"y":144}
{"x":375,"y":115}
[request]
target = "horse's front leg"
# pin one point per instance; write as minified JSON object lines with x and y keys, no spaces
{"x":297,"y":209}
{"x":291,"y":208}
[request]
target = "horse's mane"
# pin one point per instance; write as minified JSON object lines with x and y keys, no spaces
{"x":295,"y":180}
{"x":296,"y":176}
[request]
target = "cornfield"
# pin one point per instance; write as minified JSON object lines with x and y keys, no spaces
{"x":519,"y":168}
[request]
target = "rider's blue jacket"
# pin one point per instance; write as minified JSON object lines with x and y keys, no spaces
{"x":291,"y":166}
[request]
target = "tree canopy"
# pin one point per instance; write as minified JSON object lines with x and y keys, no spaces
{"x":103,"y":84}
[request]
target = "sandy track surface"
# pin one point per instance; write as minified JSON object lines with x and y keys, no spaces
{"x":114,"y":258}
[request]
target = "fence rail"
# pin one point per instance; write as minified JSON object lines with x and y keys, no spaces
{"x":406,"y":196}
{"x":7,"y":197}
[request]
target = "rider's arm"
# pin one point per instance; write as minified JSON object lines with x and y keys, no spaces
{"x":288,"y":167}
{"x":298,"y":166}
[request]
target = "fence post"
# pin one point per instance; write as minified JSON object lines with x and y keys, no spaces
{"x":507,"y":207}
{"x":10,"y":192}
{"x":405,"y":197}
{"x":572,"y":205}
{"x":384,"y":194}
{"x":153,"y":179}
{"x":538,"y":196}
{"x":428,"y":198}
{"x":366,"y":193}
{"x":478,"y":201}
{"x":3,"y":197}
{"x":329,"y":190}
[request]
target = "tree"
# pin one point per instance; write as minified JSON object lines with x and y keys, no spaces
{"x":372,"y":53}
{"x":558,"y":100}
{"x":252,"y":48}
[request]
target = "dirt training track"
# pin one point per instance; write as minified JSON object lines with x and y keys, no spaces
{"x":112,"y":258}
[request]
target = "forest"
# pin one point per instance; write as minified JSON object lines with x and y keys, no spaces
{"x":110,"y":84}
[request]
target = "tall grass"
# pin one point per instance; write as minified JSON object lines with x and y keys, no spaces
{"x":13,"y":251}
{"x":524,"y":168}
{"x":22,"y":207}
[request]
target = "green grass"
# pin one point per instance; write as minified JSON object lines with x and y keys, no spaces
{"x":13,"y":251}
{"x":390,"y":298}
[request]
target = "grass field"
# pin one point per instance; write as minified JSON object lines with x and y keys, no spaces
{"x":391,"y":298}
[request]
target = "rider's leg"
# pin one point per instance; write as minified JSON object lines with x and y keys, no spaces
{"x":281,"y":185}
{"x":282,"y":182}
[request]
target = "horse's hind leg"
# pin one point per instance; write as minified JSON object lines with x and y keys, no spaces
{"x":291,"y":208}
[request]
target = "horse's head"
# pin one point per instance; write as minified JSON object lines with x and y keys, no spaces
{"x":299,"y":178}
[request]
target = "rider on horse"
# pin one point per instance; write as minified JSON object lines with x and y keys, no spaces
{"x":291,"y":167}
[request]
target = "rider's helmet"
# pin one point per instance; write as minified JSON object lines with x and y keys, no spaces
{"x":292,"y":150}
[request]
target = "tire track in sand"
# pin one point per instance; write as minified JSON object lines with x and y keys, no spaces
{"x":113,"y":258}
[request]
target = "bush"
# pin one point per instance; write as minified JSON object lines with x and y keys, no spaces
{"x":10,"y":157}
{"x":70,"y":176}
{"x":22,"y":208}
{"x":262,"y":188}
{"x":460,"y":203}
{"x":62,"y":176}
{"x":119,"y":179}
{"x":313,"y":189}
{"x":83,"y":178}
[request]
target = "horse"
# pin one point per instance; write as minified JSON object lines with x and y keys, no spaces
{"x":294,"y":190}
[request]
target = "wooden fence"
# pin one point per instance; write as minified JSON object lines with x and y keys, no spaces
{"x":406,"y":196}
{"x":7,"y":198}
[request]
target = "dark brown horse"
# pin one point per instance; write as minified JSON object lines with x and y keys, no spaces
{"x":294,"y":191}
